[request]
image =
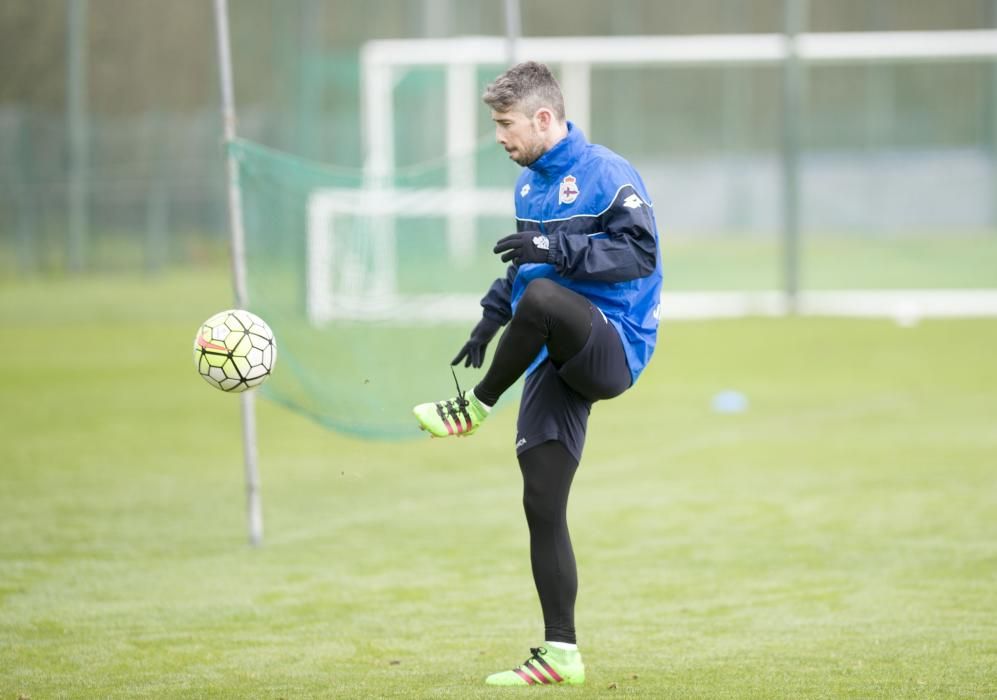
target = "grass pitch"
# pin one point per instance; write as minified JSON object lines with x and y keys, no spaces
{"x":838,"y":539}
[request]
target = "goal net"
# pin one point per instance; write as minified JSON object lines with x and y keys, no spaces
{"x":370,"y":290}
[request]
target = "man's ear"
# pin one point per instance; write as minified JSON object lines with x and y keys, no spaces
{"x":544,"y":118}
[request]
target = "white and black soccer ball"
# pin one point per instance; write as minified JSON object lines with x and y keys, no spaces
{"x":235,"y":350}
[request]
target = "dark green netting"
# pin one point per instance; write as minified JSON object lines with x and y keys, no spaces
{"x":393,"y":329}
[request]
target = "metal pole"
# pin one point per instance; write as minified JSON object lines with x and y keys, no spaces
{"x":437,"y":18}
{"x":513,"y":29}
{"x":157,"y":200}
{"x":254,"y":509}
{"x":880,"y":101}
{"x":990,"y":126}
{"x":76,"y":98}
{"x":792,"y":89}
{"x":737,"y":99}
{"x":24,"y":195}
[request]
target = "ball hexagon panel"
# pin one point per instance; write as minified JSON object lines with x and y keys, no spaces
{"x":255,"y":356}
{"x":230,"y":369}
{"x":215,"y":359}
{"x":233,"y":339}
{"x":242,"y":365}
{"x":234,"y":322}
{"x":256,"y":372}
{"x":230,"y":384}
{"x":243,"y":347}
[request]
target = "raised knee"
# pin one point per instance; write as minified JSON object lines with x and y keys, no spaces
{"x":539,"y":294}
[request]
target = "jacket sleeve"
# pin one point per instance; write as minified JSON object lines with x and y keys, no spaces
{"x":497,"y":302}
{"x":625,"y":249}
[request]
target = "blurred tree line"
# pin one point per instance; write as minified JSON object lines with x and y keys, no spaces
{"x":149,"y":54}
{"x":149,"y":179}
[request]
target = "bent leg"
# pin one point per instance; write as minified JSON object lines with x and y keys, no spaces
{"x":547,"y":314}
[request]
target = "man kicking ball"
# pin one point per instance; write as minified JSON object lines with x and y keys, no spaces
{"x":580,"y":298}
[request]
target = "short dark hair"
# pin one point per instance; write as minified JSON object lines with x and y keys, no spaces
{"x":527,"y":87}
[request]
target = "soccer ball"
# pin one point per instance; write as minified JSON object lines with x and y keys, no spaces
{"x":234,"y":350}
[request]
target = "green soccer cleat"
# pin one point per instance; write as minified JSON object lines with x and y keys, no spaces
{"x":460,"y":416}
{"x":547,"y":666}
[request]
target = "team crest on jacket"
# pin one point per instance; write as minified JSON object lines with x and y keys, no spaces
{"x":569,"y":190}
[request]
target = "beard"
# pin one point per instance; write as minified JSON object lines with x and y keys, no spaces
{"x":530,"y":151}
{"x":527,"y":157}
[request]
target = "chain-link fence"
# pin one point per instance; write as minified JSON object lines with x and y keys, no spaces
{"x":111,"y":154}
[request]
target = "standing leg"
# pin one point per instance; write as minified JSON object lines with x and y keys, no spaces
{"x":548,"y":469}
{"x":547,"y":473}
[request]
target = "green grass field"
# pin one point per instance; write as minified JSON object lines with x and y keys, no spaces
{"x":839,"y":539}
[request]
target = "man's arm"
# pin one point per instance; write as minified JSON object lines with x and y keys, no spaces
{"x":496,"y":312}
{"x":625,"y":248}
{"x":497,"y":303}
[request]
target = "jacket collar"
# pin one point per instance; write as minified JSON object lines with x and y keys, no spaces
{"x":562,"y":155}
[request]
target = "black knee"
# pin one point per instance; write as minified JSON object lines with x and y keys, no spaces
{"x":541,"y":503}
{"x":537,"y":300}
{"x":548,"y":470}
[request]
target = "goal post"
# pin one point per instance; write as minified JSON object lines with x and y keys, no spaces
{"x":384,"y":62}
{"x":340,"y":287}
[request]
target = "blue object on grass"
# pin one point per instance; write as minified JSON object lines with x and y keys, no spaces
{"x":730,"y":401}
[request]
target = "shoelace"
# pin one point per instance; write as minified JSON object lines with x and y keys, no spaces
{"x":456,"y":408}
{"x":460,"y":394}
{"x":535,"y":651}
{"x":531,"y":674}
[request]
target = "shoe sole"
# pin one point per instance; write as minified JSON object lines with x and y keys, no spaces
{"x":435,"y":436}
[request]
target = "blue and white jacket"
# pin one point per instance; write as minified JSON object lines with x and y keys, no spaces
{"x":593,"y":207}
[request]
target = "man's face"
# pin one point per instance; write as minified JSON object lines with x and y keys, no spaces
{"x":519,"y":135}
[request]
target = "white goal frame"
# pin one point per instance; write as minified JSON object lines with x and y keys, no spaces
{"x":348,"y":290}
{"x":384,"y":62}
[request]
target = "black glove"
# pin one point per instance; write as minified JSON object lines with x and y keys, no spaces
{"x":524,"y":247}
{"x":473,"y":352}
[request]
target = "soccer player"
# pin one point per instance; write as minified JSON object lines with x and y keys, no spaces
{"x":580,"y":298}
